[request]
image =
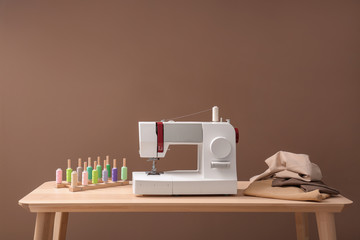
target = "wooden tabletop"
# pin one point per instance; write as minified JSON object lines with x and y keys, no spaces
{"x":48,"y":198}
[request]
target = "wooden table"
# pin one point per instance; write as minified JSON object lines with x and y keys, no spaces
{"x":53,"y":205}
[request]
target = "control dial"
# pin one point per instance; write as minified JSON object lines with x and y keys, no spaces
{"x":220,"y":147}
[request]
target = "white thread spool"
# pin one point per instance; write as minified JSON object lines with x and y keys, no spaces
{"x":215,"y":114}
{"x":74,"y":179}
{"x":79,"y":170}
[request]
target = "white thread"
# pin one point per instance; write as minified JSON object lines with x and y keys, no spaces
{"x":74,"y":179}
{"x":191,"y":114}
{"x":215,"y":114}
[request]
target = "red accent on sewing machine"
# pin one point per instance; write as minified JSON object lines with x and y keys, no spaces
{"x":160,"y":136}
{"x":237,"y":135}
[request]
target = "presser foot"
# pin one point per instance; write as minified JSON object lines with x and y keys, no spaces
{"x":153,"y":170}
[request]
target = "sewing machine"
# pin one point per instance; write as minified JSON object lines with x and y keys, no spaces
{"x":216,"y":157}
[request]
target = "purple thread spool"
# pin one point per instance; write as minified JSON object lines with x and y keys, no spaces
{"x":114,"y":172}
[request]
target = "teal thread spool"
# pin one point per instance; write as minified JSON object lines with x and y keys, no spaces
{"x":68,"y":172}
{"x":94,"y":174}
{"x":89,"y":169}
{"x":98,"y":168}
{"x":108,"y":167}
{"x":124,"y":170}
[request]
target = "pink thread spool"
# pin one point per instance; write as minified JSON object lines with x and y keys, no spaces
{"x":84,"y":179}
{"x":58,"y":176}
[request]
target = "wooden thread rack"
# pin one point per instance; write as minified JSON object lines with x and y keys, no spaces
{"x":91,"y":186}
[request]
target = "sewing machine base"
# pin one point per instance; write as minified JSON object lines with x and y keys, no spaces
{"x":181,"y":183}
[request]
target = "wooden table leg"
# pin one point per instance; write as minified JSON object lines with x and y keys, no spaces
{"x":60,"y":225}
{"x":302,"y":226}
{"x":44,"y":226}
{"x":326,"y":225}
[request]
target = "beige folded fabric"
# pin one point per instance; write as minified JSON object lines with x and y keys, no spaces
{"x":290,"y":165}
{"x":263,"y":188}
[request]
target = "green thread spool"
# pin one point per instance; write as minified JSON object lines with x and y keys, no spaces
{"x":108,"y":167}
{"x":89,"y":169}
{"x":94,"y":174}
{"x":124,"y":170}
{"x":99,"y":170}
{"x":68,"y":172}
{"x":98,"y":167}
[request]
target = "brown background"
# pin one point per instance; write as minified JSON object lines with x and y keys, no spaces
{"x":77,"y":77}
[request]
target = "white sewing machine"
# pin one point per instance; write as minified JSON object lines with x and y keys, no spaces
{"x":216,"y":158}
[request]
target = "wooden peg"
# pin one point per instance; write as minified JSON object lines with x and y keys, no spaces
{"x":114,"y":161}
{"x":85,"y":166}
{"x":104,"y":164}
{"x":89,"y":161}
{"x":107,"y":159}
{"x":124,"y":162}
{"x":69,"y":163}
{"x":94,"y":165}
{"x":79,"y":162}
{"x":98,"y":160}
